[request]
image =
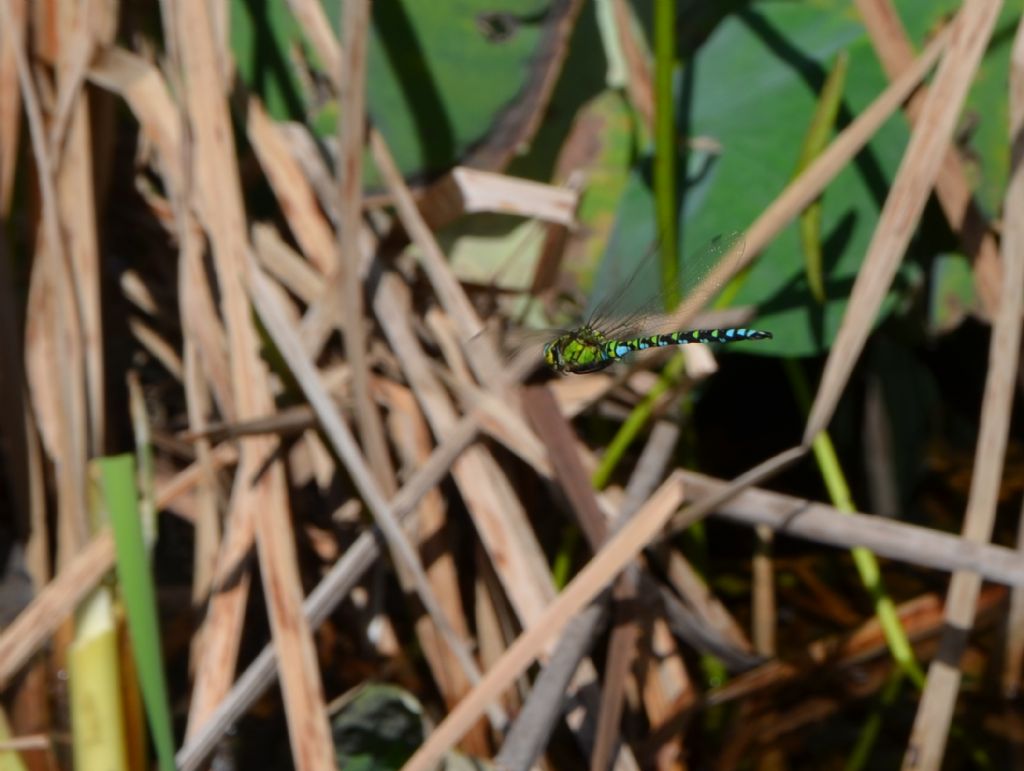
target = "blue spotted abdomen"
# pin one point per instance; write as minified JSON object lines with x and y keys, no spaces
{"x":616,"y":349}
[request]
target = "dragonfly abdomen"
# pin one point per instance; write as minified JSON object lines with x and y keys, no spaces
{"x":619,"y":348}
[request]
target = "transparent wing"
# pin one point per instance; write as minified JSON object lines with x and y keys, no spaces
{"x":521,"y":341}
{"x":635,"y":305}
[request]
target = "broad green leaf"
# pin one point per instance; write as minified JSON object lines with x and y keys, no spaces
{"x":442,"y":77}
{"x":953,"y":294}
{"x":752,"y":89}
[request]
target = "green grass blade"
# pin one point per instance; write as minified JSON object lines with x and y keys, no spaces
{"x":860,"y":756}
{"x":665,"y":156}
{"x":117,"y":481}
{"x":818,"y":133}
{"x":864,"y":559}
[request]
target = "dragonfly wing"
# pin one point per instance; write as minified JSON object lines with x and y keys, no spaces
{"x":707,"y":271}
{"x":519,"y":341}
{"x":701,"y":275}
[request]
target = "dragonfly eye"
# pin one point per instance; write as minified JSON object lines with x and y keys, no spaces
{"x":550,"y":355}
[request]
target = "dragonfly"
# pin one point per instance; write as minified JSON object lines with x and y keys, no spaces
{"x":601,"y":340}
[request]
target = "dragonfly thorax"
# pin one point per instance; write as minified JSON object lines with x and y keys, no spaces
{"x":581,"y":350}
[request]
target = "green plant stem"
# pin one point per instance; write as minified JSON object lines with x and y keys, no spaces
{"x":562,"y":566}
{"x":665,"y":156}
{"x":818,"y":133}
{"x":861,"y":753}
{"x":864,"y":559}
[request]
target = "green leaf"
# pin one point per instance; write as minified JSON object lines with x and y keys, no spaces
{"x":953,"y":294}
{"x":751,"y":88}
{"x":756,"y":87}
{"x":442,"y":77}
{"x":117,"y":482}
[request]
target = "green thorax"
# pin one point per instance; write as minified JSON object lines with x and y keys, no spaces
{"x":581,"y":350}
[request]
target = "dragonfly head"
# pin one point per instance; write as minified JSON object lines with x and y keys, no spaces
{"x":553,"y":355}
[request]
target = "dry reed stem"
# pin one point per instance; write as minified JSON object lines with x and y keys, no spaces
{"x":699,"y":598}
{"x":82,"y":30}
{"x":620,"y":659}
{"x":200,"y":321}
{"x":411,"y":435}
{"x":888,"y":538}
{"x":260,"y":498}
{"x":305,"y":150}
{"x":52,"y":604}
{"x":226,"y":609}
{"x":309,"y":380}
{"x":952,"y":187}
{"x":616,"y":553}
{"x":764,"y":606}
{"x":576,"y":394}
{"x":295,"y":196}
{"x":332,"y":589}
{"x":935,"y":711}
{"x":142,"y":88}
{"x":542,"y":710}
{"x":351,"y":142}
{"x":201,"y":383}
{"x":207,"y":523}
{"x":446,"y":286}
{"x":314,"y":22}
{"x":667,"y":682}
{"x":493,"y":505}
{"x":652,"y":464}
{"x":285,"y":264}
{"x":910,"y":190}
{"x":555,"y":433}
{"x":507,"y":429}
{"x":53,"y":328}
{"x":560,"y":442}
{"x":668,"y":689}
{"x":710,"y":611}
{"x":501,"y":423}
{"x":59,"y":597}
{"x":75,"y":186}
{"x":1014,"y":646}
{"x":10,"y":101}
{"x":486,"y":191}
{"x":446,"y":337}
{"x":158,"y":348}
